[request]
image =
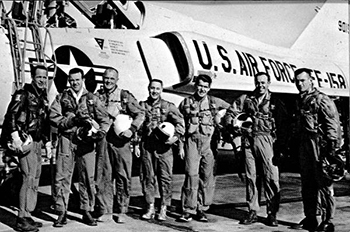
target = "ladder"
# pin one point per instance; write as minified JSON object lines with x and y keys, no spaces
{"x":21,"y":45}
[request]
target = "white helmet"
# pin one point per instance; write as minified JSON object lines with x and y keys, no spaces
{"x":165,"y":131}
{"x":121,"y":123}
{"x":242,"y":120}
{"x":27,"y":144}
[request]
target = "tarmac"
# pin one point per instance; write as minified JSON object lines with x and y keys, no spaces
{"x":227,"y":210}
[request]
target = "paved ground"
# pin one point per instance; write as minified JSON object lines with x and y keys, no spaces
{"x":224,"y":215}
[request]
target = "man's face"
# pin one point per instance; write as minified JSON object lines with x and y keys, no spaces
{"x":40,"y":79}
{"x":303,"y":82}
{"x":202,"y":88}
{"x":155,"y":89}
{"x":110,"y":79}
{"x":76,"y":81}
{"x":262,"y":84}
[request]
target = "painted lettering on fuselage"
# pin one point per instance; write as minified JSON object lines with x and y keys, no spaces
{"x":238,"y":62}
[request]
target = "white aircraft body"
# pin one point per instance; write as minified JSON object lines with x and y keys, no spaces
{"x":153,"y":42}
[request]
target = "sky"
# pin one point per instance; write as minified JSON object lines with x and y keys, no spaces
{"x":277,"y":23}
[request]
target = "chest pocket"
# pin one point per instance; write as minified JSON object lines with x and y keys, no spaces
{"x":68,"y":104}
{"x":114,"y":104}
{"x":200,"y":117}
{"x":206,"y":125}
{"x":154,"y":116}
{"x":309,"y":114}
{"x":35,"y":109}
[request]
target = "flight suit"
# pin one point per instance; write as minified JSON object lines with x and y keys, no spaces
{"x":318,"y":130}
{"x":28,"y":112}
{"x":258,"y":147}
{"x":114,"y":155}
{"x":66,"y":114}
{"x":199,"y":185}
{"x":156,"y":156}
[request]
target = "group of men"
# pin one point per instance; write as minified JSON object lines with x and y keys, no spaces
{"x":87,"y":137}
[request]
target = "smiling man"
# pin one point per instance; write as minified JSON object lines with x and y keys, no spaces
{"x":319,"y":136}
{"x":77,"y":110}
{"x":200,"y":112}
{"x":114,"y":156}
{"x":28,"y":114}
{"x":156,"y":153}
{"x":257,"y":142}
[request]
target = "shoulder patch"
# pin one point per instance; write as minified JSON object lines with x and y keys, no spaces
{"x":18,"y":97}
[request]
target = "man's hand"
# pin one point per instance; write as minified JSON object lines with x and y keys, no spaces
{"x":48,"y":149}
{"x":16,"y":141}
{"x":172,"y":140}
{"x":126,"y":134}
{"x":98,"y":136}
{"x":181,"y":153}
{"x":136,"y":151}
{"x":331,"y":147}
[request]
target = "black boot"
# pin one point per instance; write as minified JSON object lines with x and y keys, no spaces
{"x":88,"y":220}
{"x":326,"y":226}
{"x":34,"y":223}
{"x":61,"y":220}
{"x":23,"y":225}
{"x":308,"y":223}
{"x":271,"y":220}
{"x":250,"y":219}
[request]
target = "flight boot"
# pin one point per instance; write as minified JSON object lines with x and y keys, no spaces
{"x":24,"y":225}
{"x":162,"y":213}
{"x":150,"y":212}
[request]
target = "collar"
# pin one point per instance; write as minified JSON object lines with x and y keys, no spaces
{"x":111,"y":91}
{"x":153,"y":102}
{"x":78,"y":95}
{"x":307,"y":93}
{"x":198,"y":98}
{"x":266,"y":96}
{"x":33,"y":89}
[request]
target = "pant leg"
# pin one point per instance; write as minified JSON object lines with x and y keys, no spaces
{"x":326,"y":203}
{"x":252,"y":194}
{"x":165,"y":176}
{"x":308,"y":173}
{"x":123,"y":159}
{"x":65,"y":162}
{"x":206,"y":174}
{"x":326,"y":199}
{"x":147,"y":175}
{"x":189,"y":192}
{"x":31,"y":169}
{"x":86,"y":173}
{"x":104,"y":178}
{"x":264,"y":150}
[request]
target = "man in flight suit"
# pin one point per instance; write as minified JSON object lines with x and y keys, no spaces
{"x":28,"y":113}
{"x":318,"y":130}
{"x":156,"y":153}
{"x":81,"y":120}
{"x":200,"y":112}
{"x":114,"y":153}
{"x":258,"y":146}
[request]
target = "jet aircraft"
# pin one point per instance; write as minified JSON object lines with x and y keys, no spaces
{"x":144,"y":41}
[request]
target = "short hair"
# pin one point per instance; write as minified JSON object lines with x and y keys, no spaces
{"x":262,"y":74}
{"x":76,"y":70}
{"x":155,"y":80}
{"x":203,"y":77}
{"x":111,"y":69}
{"x":301,"y":70}
{"x":39,"y":66}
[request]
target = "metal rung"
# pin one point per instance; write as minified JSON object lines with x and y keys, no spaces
{"x":31,"y":50}
{"x":29,"y":42}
